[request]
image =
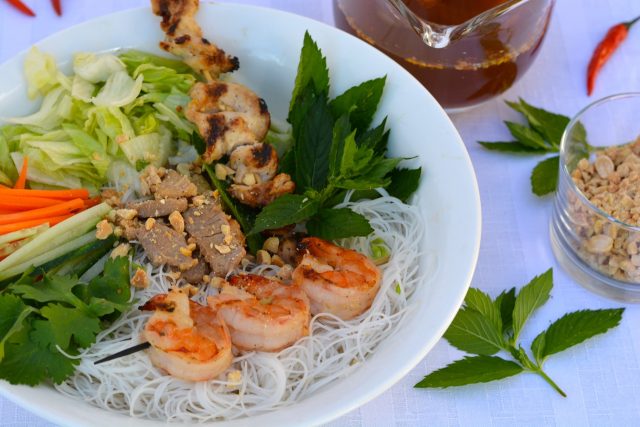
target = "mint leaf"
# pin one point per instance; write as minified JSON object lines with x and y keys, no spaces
{"x":68,"y":322}
{"x":332,"y":224}
{"x":472,"y":332}
{"x":544,"y":178}
{"x":574,"y":328}
{"x":482,"y":303}
{"x":531,"y":297}
{"x":505,"y":303}
{"x":13,"y":312}
{"x":537,"y":347}
{"x":312,"y":70}
{"x":285,"y":210}
{"x":313,"y":136}
{"x":341,"y":131}
{"x":376,"y":138}
{"x":471,"y":370}
{"x":511,"y":147}
{"x":550,"y":125}
{"x":359,"y":102}
{"x":527,"y":136}
{"x":404,"y":182}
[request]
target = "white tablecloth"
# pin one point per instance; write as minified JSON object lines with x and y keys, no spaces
{"x":602,"y":376}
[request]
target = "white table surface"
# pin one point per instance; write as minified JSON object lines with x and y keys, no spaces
{"x":602,"y":376}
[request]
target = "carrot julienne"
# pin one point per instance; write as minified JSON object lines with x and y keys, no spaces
{"x":63,"y":208}
{"x":10,"y":203}
{"x":8,"y":228}
{"x":22,"y":178}
{"x":78,"y":193}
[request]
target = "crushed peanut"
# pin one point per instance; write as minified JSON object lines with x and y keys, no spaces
{"x":103,"y":229}
{"x":177,"y":221}
{"x":277,"y":261}
{"x":611,"y":182}
{"x":185,"y":251}
{"x":149,"y":223}
{"x":126,"y":213}
{"x":271,"y":245}
{"x":223,"y":249}
{"x":121,"y":250}
{"x":263,"y":257}
{"x":140,"y":279}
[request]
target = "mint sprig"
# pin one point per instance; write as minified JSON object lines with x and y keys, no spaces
{"x":540,"y":135}
{"x":485,"y":327}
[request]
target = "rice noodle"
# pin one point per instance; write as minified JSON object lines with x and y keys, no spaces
{"x":132,"y":385}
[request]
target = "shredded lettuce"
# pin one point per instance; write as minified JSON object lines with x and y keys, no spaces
{"x":124,"y":109}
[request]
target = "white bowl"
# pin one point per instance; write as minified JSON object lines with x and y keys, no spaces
{"x":268,"y":43}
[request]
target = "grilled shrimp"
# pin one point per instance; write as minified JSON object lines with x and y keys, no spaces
{"x":184,"y":39}
{"x":188,"y":340}
{"x":262,"y":314}
{"x":339,"y":281}
{"x":227,"y":115}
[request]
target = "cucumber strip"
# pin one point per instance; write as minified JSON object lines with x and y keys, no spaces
{"x":21,"y":234}
{"x":55,"y":237}
{"x":82,"y":263}
{"x":94,"y":270}
{"x":48,"y":256}
{"x":7,"y":249}
{"x":72,"y":256}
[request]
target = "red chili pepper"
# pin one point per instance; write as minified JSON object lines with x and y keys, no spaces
{"x":21,"y":7}
{"x":609,"y":44}
{"x":57,"y":6}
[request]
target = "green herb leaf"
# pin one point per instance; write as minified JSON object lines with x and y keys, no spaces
{"x":472,"y":332}
{"x":14,"y":311}
{"x":574,"y":328}
{"x":341,"y":131}
{"x":511,"y":147}
{"x":285,"y":210}
{"x":550,"y":125}
{"x":537,"y":347}
{"x":69,"y":322}
{"x":505,"y":303}
{"x":529,"y":137}
{"x":359,"y":102}
{"x":312,"y":69}
{"x":314,"y":136}
{"x":404,"y":182}
{"x":531,"y":297}
{"x":31,"y":357}
{"x":482,"y":303}
{"x":113,"y":283}
{"x":471,"y":370}
{"x":241,"y":213}
{"x":52,"y":288}
{"x":332,"y":224}
{"x":376,"y":138}
{"x":544,"y":178}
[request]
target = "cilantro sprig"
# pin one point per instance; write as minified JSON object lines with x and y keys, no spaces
{"x":484,"y":327}
{"x":44,"y":317}
{"x":334,"y":150}
{"x":540,"y":136}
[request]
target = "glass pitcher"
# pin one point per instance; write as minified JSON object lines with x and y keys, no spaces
{"x":464,"y":51}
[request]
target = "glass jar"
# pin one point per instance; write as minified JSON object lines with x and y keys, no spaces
{"x":595,"y":225}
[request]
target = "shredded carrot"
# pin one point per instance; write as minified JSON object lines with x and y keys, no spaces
{"x":9,"y":203}
{"x":22,"y":178}
{"x":62,"y":208}
{"x":8,"y":228}
{"x":77,"y":193}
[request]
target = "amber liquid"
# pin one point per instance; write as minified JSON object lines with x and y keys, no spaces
{"x":472,"y":69}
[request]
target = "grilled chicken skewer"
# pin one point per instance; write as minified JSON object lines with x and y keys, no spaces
{"x":232,"y":119}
